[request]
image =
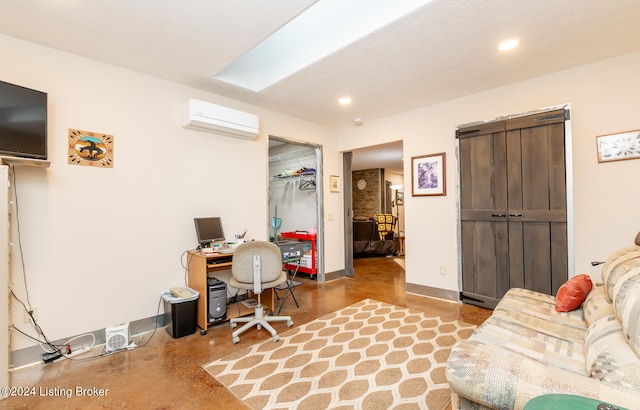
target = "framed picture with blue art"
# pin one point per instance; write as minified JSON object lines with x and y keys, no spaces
{"x":428,"y":175}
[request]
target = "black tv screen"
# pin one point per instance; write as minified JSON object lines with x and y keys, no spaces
{"x":23,"y":122}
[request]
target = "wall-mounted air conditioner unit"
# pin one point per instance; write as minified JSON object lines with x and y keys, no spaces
{"x":203,"y":116}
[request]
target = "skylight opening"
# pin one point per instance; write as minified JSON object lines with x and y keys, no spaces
{"x":322,"y":29}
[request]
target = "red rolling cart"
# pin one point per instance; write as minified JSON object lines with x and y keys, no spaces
{"x":304,"y":237}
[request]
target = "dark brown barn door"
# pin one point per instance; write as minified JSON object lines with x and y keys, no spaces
{"x":513,"y":206}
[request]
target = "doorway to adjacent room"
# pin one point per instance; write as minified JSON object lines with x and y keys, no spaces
{"x":374,"y":175}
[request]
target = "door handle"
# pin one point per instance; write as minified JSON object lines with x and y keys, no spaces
{"x":498,"y":215}
{"x":516,"y":215}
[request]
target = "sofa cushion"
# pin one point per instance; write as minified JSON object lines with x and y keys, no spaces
{"x":609,"y":357}
{"x":621,"y":277}
{"x":597,"y":304}
{"x":499,"y":379}
{"x":526,"y":322}
{"x":573,"y":292}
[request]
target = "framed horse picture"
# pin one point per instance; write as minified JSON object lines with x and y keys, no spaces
{"x":90,"y":148}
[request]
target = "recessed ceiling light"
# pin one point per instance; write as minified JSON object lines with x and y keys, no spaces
{"x":508,"y":45}
{"x":345,"y":100}
{"x":320,"y":30}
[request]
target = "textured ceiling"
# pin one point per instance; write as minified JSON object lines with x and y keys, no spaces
{"x":443,"y":50}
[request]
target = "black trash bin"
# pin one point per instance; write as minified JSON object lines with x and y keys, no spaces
{"x":180,"y":314}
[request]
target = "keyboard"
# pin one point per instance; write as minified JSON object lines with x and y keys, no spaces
{"x":218,"y":261}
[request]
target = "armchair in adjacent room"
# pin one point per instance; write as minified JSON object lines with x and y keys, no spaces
{"x":257,"y":265}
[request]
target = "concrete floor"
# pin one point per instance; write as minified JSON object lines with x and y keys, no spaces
{"x":167,"y":373}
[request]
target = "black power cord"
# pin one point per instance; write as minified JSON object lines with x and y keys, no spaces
{"x":156,"y":327}
{"x":27,"y":307}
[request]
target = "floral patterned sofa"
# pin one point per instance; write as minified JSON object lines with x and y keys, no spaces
{"x":527,"y":349}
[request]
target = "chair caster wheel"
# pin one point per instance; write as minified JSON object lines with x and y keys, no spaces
{"x":235,"y":340}
{"x":259,"y":327}
{"x":289,"y":323}
{"x":233,"y":325}
{"x":275,"y":338}
{"x":203,"y":332}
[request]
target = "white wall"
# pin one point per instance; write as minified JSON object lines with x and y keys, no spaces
{"x":100,"y":245}
{"x":604,"y":98}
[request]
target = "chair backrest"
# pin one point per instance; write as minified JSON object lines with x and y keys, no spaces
{"x":242,"y":267}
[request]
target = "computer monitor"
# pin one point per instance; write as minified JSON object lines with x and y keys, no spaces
{"x":208,"y":230}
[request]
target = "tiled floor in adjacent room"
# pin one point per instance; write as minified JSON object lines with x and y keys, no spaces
{"x":167,"y":373}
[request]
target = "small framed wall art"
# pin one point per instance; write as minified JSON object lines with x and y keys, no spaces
{"x":618,"y":147}
{"x":90,"y":148}
{"x":428,"y":175}
{"x":334,"y":183}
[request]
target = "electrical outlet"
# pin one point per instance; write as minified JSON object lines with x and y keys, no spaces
{"x":27,"y":318}
{"x":443,"y":270}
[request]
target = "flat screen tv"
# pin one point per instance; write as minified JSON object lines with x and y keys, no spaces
{"x":209,"y":230}
{"x":23,"y":122}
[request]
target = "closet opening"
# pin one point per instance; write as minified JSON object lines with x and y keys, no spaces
{"x":295,"y":200}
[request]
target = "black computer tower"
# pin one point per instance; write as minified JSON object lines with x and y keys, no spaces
{"x":217,"y":299}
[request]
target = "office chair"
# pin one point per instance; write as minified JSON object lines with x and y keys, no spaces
{"x":257,"y":265}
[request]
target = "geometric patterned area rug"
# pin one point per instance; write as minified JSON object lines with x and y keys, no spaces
{"x":370,"y":355}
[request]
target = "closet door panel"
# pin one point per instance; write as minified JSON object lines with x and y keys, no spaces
{"x":537,"y":256}
{"x":478,"y":170}
{"x":484,"y":258}
{"x":535,"y":169}
{"x":479,"y":258}
{"x":503,"y":281}
{"x":557,"y":169}
{"x":515,"y":255}
{"x":558,"y":207}
{"x":483,"y":215}
{"x":478,"y":246}
{"x":537,"y":199}
{"x":559,"y":256}
{"x":514,"y":171}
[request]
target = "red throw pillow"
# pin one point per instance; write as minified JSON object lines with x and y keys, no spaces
{"x":573,"y":292}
